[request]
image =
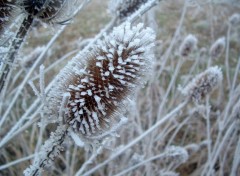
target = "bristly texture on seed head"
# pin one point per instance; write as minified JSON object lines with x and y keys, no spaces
{"x":203,"y":84}
{"x":125,"y":8}
{"x":53,"y":11}
{"x":7,"y":11}
{"x":234,"y":20}
{"x":218,"y":47}
{"x":101,"y":80}
{"x":188,"y":45}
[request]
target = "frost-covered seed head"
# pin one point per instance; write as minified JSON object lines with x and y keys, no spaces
{"x":203,"y":84}
{"x":234,"y":20}
{"x":100,"y":81}
{"x":188,"y":45}
{"x":48,"y":11}
{"x":218,"y":47}
{"x":125,"y":8}
{"x":7,"y":10}
{"x":176,"y":154}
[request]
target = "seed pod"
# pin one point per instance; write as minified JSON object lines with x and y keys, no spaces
{"x":203,"y":84}
{"x":125,"y":8}
{"x":101,"y":80}
{"x":49,"y":11}
{"x":234,"y":20}
{"x":217,"y":48}
{"x":7,"y":11}
{"x":188,"y":45}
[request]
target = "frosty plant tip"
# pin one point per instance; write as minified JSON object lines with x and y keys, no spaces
{"x":203,"y":84}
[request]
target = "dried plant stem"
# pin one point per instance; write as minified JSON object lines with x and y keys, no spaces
{"x":173,"y":41}
{"x":179,"y":126}
{"x":227,"y":148}
{"x":236,"y":160}
{"x":235,"y":77}
{"x":137,"y":139}
{"x":48,"y":151}
{"x":89,"y":161}
{"x":140,"y":164}
{"x":227,"y":56}
{"x":171,"y":84}
{"x":2,"y":167}
{"x":16,"y":44}
{"x":216,"y":152}
{"x":33,"y":68}
{"x":209,"y":139}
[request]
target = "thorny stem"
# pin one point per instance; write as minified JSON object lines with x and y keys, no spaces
{"x":55,"y":143}
{"x":16,"y":44}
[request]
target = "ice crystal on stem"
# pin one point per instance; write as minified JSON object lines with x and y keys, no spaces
{"x":48,"y":152}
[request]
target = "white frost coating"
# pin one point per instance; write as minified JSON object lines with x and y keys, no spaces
{"x":97,"y":98}
{"x":84,"y":80}
{"x":99,"y":64}
{"x":107,"y":73}
{"x":89,"y":92}
{"x":83,"y":93}
{"x":100,"y":58}
{"x":80,"y":112}
{"x":77,"y":139}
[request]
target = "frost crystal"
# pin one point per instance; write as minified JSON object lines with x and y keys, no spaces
{"x":110,"y":74}
{"x":203,"y":84}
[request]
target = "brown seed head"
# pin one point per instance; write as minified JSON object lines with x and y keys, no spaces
{"x":101,"y":80}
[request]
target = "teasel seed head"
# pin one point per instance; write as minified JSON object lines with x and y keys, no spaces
{"x":217,"y":48}
{"x":102,"y":80}
{"x":234,"y":20}
{"x":125,"y":8}
{"x":49,"y":11}
{"x":7,"y":12}
{"x":188,"y":45}
{"x":175,"y":154}
{"x":203,"y":84}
